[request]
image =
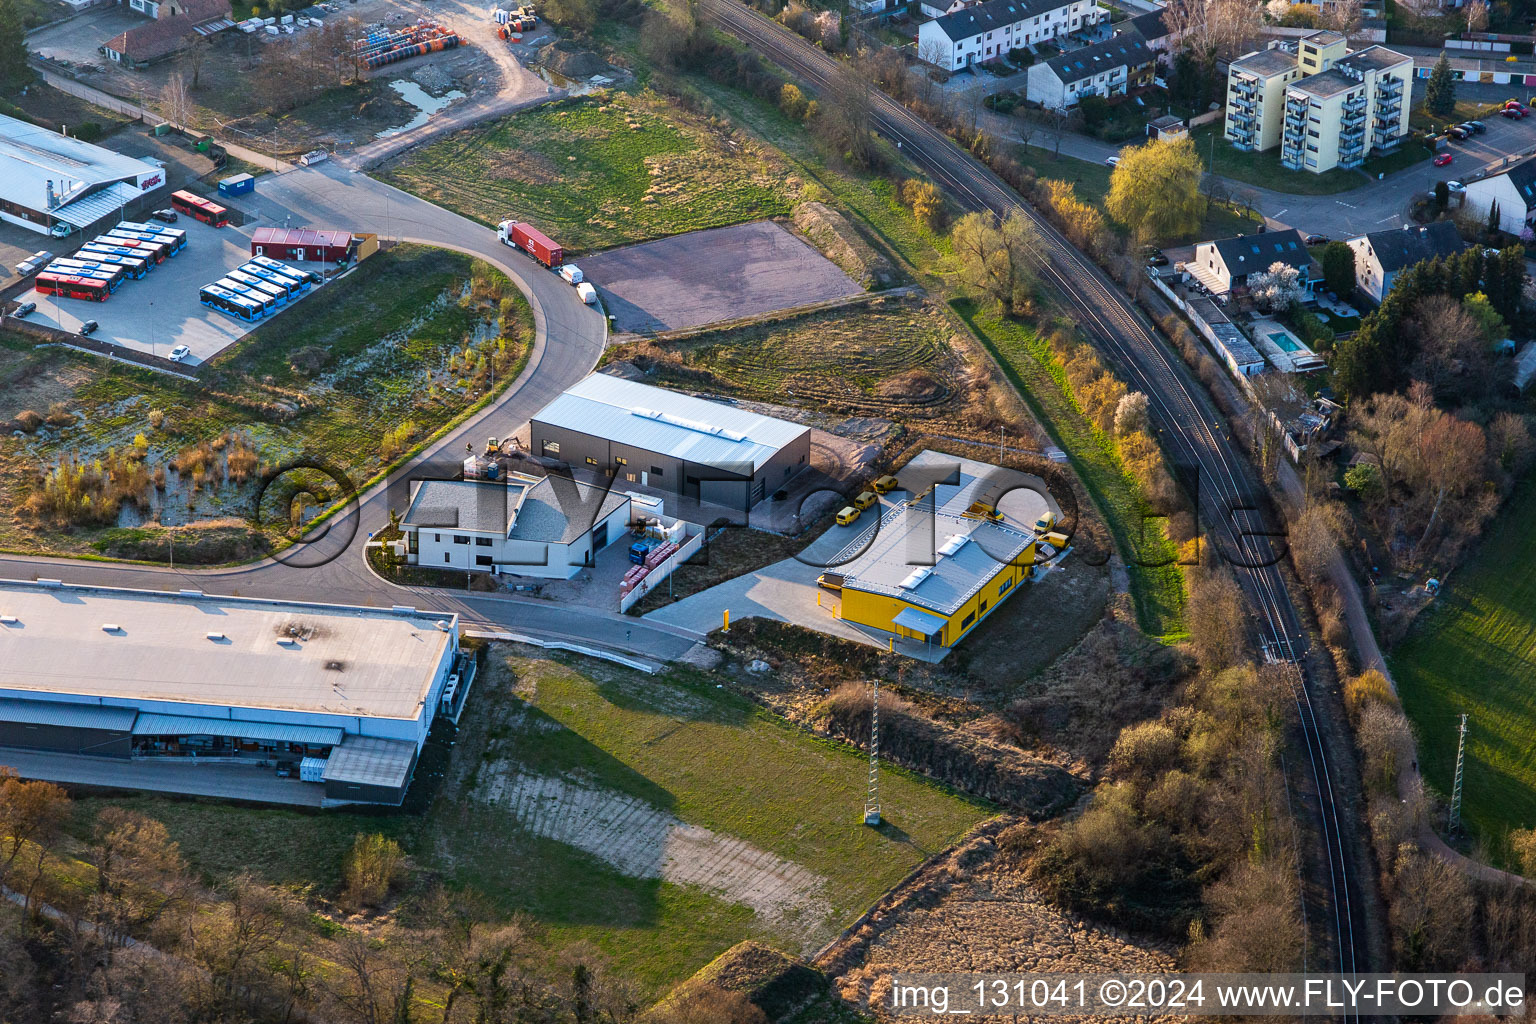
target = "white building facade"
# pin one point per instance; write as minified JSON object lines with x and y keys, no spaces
{"x":988,"y":31}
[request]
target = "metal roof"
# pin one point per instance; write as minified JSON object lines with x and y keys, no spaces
{"x":301,"y":236}
{"x":370,"y":761}
{"x":559,"y":510}
{"x":87,"y":210}
{"x":901,"y":560}
{"x":218,"y":651}
{"x":548,"y":510}
{"x":190,"y":725}
{"x":919,"y":621}
{"x":680,"y":426}
{"x":68,"y":715}
{"x":30,"y":157}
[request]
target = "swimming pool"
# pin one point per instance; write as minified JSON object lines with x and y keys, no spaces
{"x":1284,"y":342}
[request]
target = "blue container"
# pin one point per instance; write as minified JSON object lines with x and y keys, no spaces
{"x":237,"y":185}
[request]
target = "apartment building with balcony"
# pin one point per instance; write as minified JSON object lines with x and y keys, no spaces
{"x":1322,"y":105}
{"x":987,"y":31}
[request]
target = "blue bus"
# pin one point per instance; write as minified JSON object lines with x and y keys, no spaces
{"x":133,"y":266}
{"x":114,"y":276}
{"x":177,"y":236}
{"x":103,"y":249}
{"x":226,"y":301}
{"x":312,"y":276}
{"x":295,"y":287}
{"x":262,"y":299}
{"x":162,"y":247}
{"x":255,"y":283}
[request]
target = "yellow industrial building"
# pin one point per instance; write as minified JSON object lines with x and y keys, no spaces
{"x":931,"y":575}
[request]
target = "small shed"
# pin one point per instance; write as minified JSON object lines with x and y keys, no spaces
{"x":1167,"y":127}
{"x":305,"y":244}
{"x":237,"y":185}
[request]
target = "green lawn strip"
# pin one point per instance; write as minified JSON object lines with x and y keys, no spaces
{"x":1264,"y":169}
{"x":1474,"y":652}
{"x":714,"y":759}
{"x":598,"y":171}
{"x":1158,"y":590}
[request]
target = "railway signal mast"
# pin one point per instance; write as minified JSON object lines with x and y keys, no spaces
{"x":1461,"y":754}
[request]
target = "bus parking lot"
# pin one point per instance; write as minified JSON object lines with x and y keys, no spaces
{"x":162,"y":310}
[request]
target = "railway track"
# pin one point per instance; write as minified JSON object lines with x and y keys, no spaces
{"x":1226,"y":493}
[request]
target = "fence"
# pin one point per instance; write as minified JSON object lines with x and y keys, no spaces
{"x":685,"y":551}
{"x":80,"y":343}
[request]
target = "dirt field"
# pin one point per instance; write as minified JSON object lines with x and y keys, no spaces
{"x":705,"y":277}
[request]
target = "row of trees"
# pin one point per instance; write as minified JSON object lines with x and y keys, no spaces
{"x":1401,"y":340}
{"x":14,"y":72}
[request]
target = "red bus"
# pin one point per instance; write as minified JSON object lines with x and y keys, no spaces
{"x":202,"y":209}
{"x":70,"y":287}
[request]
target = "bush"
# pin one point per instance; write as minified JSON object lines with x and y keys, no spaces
{"x":59,"y":415}
{"x":310,"y":359}
{"x":1368,"y":688}
{"x":372,"y":867}
{"x":29,"y":420}
{"x":1096,"y":110}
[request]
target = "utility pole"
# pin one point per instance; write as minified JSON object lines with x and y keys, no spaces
{"x":872,"y":801}
{"x":1461,"y":754}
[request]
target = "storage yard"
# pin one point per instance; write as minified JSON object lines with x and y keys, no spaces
{"x":160,"y":305}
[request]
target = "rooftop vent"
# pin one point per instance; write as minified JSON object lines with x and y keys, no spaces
{"x":111,"y":627}
{"x":217,"y":637}
{"x":442,"y":624}
{"x":687,"y":424}
{"x":953,"y":544}
{"x":915,"y":577}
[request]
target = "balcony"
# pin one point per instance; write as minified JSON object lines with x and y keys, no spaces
{"x":1291,"y":159}
{"x":1389,"y":87}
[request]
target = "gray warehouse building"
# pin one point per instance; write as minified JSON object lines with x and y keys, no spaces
{"x":346,"y":694}
{"x":690,"y":446}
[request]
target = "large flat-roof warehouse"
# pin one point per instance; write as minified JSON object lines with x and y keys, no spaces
{"x":48,"y":179}
{"x":654,"y":437}
{"x":142,"y":673}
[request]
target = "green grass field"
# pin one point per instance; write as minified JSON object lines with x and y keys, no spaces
{"x":1475,"y":652}
{"x":601,"y":171}
{"x":1264,"y":168}
{"x":703,"y":755}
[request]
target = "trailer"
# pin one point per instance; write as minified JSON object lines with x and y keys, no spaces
{"x":532,"y":241}
{"x":237,"y":185}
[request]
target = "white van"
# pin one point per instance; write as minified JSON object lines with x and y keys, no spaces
{"x":588,"y":293}
{"x":572,"y":273}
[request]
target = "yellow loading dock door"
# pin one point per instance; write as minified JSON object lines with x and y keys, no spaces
{"x":920,"y":625}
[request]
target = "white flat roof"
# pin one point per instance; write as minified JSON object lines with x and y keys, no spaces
{"x":367,"y":662}
{"x":30,"y":157}
{"x":657,"y":420}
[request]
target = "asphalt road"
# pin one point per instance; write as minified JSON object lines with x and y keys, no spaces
{"x":1227,"y":491}
{"x":569,"y":340}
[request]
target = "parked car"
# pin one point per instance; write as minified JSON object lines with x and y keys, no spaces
{"x":1317,"y":240}
{"x":1455,"y":186}
{"x":1113,"y":161}
{"x":1442,"y":159}
{"x":166,"y":216}
{"x":61,"y":230}
{"x":1157,"y":259}
{"x":1457,"y":133}
{"x":1476,"y":126}
{"x":25,"y":309}
{"x":847,"y":516}
{"x":89,"y":327}
{"x":1514,"y":112}
{"x":179,"y":353}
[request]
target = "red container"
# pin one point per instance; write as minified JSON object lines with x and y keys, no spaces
{"x":537,"y":244}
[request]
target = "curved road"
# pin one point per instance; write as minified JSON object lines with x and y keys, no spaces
{"x":1229,"y":497}
{"x":569,"y":340}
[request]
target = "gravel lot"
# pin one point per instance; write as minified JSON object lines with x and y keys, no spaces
{"x":704,"y":277}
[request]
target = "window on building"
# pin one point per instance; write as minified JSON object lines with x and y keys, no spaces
{"x":591,"y":461}
{"x":447,"y":557}
{"x":482,"y":542}
{"x":437,"y":538}
{"x":1004,"y":587}
{"x":982,"y":610}
{"x":459,"y":538}
{"x":551,"y":447}
{"x":483,"y":560}
{"x":656,"y":471}
{"x":965,"y":623}
{"x":621,"y":460}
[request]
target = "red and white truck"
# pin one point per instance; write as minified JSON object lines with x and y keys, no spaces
{"x":532,"y":241}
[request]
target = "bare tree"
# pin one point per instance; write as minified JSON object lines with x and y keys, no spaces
{"x":1345,"y":16}
{"x":1476,"y":13}
{"x":193,"y":58}
{"x":175,"y":101}
{"x":32,"y":816}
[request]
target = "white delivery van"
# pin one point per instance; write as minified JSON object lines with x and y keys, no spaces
{"x":572,"y":273}
{"x":587,"y":292}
